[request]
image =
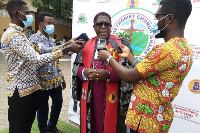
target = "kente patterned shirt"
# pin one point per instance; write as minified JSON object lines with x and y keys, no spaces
{"x":22,"y":61}
{"x":163,"y":70}
{"x":48,"y":74}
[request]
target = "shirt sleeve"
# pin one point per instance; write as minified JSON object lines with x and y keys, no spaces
{"x":24,"y":48}
{"x":157,"y":60}
{"x":80,"y":72}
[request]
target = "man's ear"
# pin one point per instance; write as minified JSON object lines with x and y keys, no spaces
{"x":15,"y":14}
{"x":94,"y":26}
{"x":41,"y":25}
{"x":170,"y":18}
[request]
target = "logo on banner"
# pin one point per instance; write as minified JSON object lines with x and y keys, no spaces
{"x":132,"y":3}
{"x":156,"y":2}
{"x":194,"y":86}
{"x":134,"y":25}
{"x":82,"y":18}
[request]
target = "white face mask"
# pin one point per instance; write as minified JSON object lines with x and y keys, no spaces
{"x":154,"y":26}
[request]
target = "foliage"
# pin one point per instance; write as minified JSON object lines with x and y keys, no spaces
{"x":59,"y":8}
{"x":66,"y":128}
{"x":1,"y":5}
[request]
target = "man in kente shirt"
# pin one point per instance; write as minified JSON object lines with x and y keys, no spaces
{"x":50,"y":75}
{"x":104,"y":97}
{"x":158,"y":78}
{"x":22,"y":61}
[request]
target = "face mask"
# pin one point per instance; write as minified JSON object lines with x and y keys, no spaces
{"x":154,"y":26}
{"x":49,"y":29}
{"x":29,"y":20}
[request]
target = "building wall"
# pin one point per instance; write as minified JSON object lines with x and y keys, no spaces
{"x":62,"y":28}
{"x":31,"y":8}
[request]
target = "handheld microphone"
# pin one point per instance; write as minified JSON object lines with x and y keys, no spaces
{"x":101,"y":45}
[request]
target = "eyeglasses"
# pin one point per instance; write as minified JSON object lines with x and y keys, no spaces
{"x":101,"y":24}
{"x":164,"y":14}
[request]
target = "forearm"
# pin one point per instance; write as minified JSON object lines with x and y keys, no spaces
{"x":113,"y":76}
{"x":128,"y":75}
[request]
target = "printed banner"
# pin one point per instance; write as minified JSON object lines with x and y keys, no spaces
{"x":131,"y":19}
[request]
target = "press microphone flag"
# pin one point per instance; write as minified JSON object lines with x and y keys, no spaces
{"x":101,"y":45}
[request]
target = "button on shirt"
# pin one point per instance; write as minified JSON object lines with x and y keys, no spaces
{"x":22,"y":61}
{"x":48,"y":74}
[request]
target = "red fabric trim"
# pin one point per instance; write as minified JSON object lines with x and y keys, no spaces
{"x":112,"y":89}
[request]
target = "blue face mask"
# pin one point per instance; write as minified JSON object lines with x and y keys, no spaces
{"x":154,"y":26}
{"x":29,"y":20}
{"x":49,"y":29}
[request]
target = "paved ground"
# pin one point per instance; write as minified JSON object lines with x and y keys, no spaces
{"x":66,"y":68}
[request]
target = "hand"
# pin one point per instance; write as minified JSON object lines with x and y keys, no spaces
{"x":103,"y":55}
{"x":98,"y":74}
{"x":75,"y":47}
{"x":63,"y":85}
{"x":87,"y":72}
{"x":126,"y":52}
{"x":70,"y":41}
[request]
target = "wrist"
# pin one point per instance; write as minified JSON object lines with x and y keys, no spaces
{"x":108,"y":60}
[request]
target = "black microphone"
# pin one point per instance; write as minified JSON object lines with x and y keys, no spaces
{"x":101,"y":45}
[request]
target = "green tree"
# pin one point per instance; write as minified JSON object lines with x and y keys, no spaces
{"x":1,"y":5}
{"x":59,"y":8}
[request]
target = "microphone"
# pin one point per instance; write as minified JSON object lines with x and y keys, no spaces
{"x":101,"y":45}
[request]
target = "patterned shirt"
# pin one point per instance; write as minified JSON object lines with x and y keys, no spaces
{"x":48,"y":74}
{"x":164,"y":70}
{"x":22,"y":61}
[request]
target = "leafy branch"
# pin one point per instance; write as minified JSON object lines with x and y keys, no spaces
{"x":59,"y":8}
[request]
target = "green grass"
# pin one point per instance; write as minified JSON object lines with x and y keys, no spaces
{"x":63,"y":126}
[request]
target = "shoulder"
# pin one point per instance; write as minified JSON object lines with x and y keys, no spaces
{"x":34,"y":37}
{"x":15,"y":37}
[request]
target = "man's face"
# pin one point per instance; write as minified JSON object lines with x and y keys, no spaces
{"x":47,"y":21}
{"x":24,"y":11}
{"x":161,"y":24}
{"x":102,"y":26}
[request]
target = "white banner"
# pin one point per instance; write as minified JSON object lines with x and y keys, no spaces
{"x":136,"y":16}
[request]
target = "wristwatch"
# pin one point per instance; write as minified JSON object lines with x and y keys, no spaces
{"x":108,"y":60}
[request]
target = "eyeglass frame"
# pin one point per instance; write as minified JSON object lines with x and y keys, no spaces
{"x":103,"y":23}
{"x":167,"y":14}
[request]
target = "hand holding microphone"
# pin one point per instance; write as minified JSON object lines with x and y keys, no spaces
{"x":101,"y":45}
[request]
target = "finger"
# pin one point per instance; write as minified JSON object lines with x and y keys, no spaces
{"x":122,"y":46}
{"x":79,"y":42}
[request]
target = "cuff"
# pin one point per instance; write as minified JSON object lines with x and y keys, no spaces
{"x":83,"y":76}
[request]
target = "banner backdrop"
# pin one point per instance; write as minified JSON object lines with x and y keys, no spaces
{"x":131,"y":19}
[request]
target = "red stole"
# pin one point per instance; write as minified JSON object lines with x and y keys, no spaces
{"x":110,"y":121}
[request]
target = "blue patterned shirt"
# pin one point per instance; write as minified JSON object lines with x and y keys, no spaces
{"x":22,"y":61}
{"x":48,"y":74}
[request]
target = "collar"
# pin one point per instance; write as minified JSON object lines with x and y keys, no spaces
{"x":42,"y":36}
{"x":16,"y":27}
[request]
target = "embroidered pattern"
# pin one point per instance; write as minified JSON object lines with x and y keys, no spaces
{"x":22,"y":61}
{"x":49,"y":74}
{"x":164,"y":70}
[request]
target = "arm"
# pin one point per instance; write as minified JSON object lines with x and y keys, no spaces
{"x":128,"y":75}
{"x":24,"y":49}
{"x":124,"y":73}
